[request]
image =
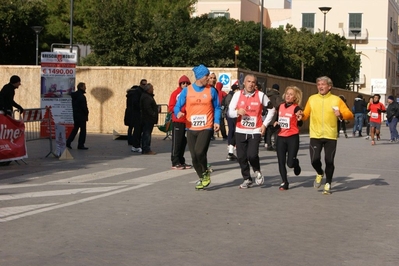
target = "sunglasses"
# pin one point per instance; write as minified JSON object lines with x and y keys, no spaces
{"x":185,"y":83}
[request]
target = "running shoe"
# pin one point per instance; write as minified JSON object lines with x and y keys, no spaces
{"x":373,"y":142}
{"x":284,"y":186}
{"x":178,"y":167}
{"x":137,"y":150}
{"x":259,"y":179}
{"x":326,"y":190}
{"x":187,"y":166}
{"x":246,"y":184}
{"x":231,"y":157}
{"x":297,"y":168}
{"x":199,"y":185}
{"x":206,"y":178}
{"x":317,"y":181}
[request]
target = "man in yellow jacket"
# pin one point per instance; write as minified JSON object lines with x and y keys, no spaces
{"x":323,"y":109}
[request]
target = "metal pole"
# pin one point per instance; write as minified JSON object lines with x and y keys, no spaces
{"x":37,"y":48}
{"x":324,"y":31}
{"x":261,"y":37}
{"x":354,"y":77}
{"x":71,"y":28}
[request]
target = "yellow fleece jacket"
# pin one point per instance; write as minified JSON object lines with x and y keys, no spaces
{"x":323,"y":122}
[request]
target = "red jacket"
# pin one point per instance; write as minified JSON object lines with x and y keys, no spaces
{"x":172,"y":102}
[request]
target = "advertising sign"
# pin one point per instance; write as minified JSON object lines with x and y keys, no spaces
{"x":12,"y":139}
{"x":378,"y":86}
{"x":58,"y":73}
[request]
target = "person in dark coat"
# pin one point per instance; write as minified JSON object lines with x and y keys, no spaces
{"x":80,"y":116}
{"x":7,"y":96}
{"x":132,"y":117}
{"x":149,"y":117}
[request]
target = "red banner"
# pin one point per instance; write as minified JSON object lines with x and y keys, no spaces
{"x":12,"y":139}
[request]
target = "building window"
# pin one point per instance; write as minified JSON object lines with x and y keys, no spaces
{"x":308,"y":21}
{"x":355,"y":23}
{"x":218,"y":14}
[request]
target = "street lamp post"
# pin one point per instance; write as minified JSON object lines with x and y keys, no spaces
{"x":261,"y":37}
{"x":37,"y":30}
{"x":355,"y":32}
{"x":324,"y":10}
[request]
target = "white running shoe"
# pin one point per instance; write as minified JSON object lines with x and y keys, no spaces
{"x":246,"y":184}
{"x":259,"y":179}
{"x":136,"y":149}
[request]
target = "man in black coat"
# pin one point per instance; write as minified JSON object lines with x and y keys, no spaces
{"x":149,"y":117}
{"x":80,"y":116}
{"x":132,"y":117}
{"x":7,"y":96}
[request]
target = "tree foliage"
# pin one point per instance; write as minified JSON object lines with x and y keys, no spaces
{"x":129,"y":33}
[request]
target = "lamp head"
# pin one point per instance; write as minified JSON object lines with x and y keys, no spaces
{"x":324,"y":9}
{"x":37,"y":29}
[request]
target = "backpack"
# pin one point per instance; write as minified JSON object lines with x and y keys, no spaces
{"x":167,"y":125}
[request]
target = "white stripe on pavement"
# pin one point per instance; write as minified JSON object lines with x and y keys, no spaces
{"x":159,"y":176}
{"x":13,"y":217}
{"x":7,"y":211}
{"x":97,"y":175}
{"x":61,"y":192}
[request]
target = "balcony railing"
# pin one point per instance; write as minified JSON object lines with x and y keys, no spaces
{"x":360,"y":80}
{"x":363,"y":34}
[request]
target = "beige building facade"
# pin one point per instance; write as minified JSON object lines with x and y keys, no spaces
{"x":370,"y":26}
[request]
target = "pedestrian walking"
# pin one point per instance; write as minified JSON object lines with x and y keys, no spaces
{"x":359,"y":109}
{"x":392,"y":117}
{"x":323,"y":109}
{"x":203,"y":114}
{"x":7,"y":94}
{"x":247,"y":105}
{"x":80,"y":117}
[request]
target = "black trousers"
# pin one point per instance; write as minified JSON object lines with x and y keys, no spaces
{"x":198,"y":144}
{"x":78,"y":124}
{"x":179,"y":143}
{"x":287,"y":151}
{"x":315,"y":148}
{"x":247,"y":146}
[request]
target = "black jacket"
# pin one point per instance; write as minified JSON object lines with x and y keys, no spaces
{"x":149,"y":108}
{"x":392,"y":110}
{"x":359,"y":106}
{"x":79,"y":106}
{"x":7,"y":98}
{"x":132,"y":111}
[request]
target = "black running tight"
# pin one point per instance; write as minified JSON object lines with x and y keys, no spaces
{"x":287,"y":150}
{"x":315,"y":148}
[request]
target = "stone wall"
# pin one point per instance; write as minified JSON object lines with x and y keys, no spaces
{"x":106,"y":89}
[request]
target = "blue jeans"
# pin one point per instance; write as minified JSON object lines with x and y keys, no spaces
{"x":392,"y":128}
{"x":358,"y":123}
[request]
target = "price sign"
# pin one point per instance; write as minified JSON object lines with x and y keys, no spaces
{"x":53,"y":72}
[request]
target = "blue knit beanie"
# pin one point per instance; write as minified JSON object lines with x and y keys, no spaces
{"x":200,"y":71}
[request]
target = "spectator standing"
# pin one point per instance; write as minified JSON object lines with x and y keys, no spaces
{"x":221,"y":95}
{"x":287,"y":144}
{"x":7,"y":94}
{"x":359,"y":109}
{"x":342,"y":123}
{"x":203,"y":118}
{"x":231,"y":124}
{"x":392,"y":116}
{"x":80,"y":117}
{"x":133,"y":116}
{"x":149,"y":117}
{"x":323,"y":109}
{"x":375,"y":109}
{"x":179,"y":139}
{"x":247,"y":106}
